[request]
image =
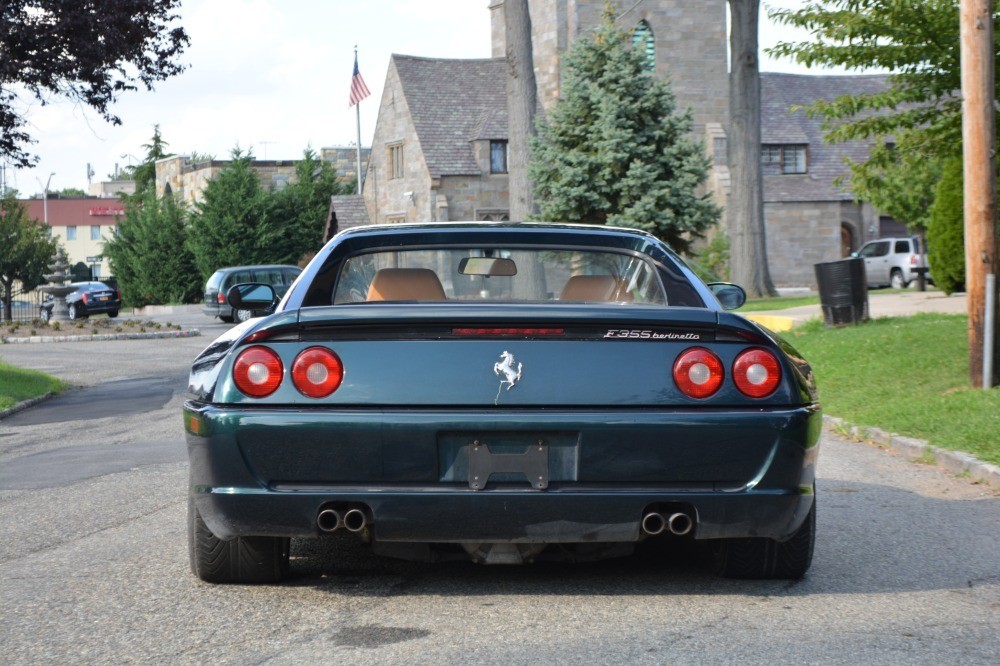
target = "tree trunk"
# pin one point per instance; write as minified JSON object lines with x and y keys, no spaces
{"x":745,"y":212}
{"x":522,"y":98}
{"x":979,"y":164}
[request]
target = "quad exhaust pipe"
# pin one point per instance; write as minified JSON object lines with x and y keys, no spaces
{"x":677,"y":523}
{"x":331,"y":520}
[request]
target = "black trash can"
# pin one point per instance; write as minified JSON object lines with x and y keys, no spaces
{"x":843,"y":291}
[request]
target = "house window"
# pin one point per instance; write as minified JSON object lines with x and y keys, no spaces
{"x":95,"y":232}
{"x":781,"y":159}
{"x":395,"y":161}
{"x":643,"y":39}
{"x":395,"y":219}
{"x":498,"y":157}
{"x":70,"y":233}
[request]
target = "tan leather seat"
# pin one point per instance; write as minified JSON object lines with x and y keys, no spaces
{"x":406,"y":284}
{"x":591,"y":288}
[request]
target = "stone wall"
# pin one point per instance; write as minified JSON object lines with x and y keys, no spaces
{"x":690,"y":37}
{"x":344,"y":160}
{"x":801,"y":234}
{"x":472,"y":198}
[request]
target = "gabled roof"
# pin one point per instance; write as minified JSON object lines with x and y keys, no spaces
{"x":781,"y":125}
{"x":454,"y":102}
{"x":346,"y":211}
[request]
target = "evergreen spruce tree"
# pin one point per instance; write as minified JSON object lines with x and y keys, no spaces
{"x":149,"y":254}
{"x":296,"y":215}
{"x":225,"y":229}
{"x":614,"y":150}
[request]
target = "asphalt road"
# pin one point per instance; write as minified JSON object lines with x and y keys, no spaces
{"x":93,"y":562}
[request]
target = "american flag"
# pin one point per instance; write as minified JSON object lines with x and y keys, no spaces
{"x":358,"y":88}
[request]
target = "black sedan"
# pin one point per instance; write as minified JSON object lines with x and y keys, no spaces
{"x":88,"y":299}
{"x":503,"y":392}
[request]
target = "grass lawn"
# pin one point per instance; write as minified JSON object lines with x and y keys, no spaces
{"x":778,"y":303}
{"x":17,"y":384}
{"x":908,"y":375}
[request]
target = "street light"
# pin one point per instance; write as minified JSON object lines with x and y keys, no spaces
{"x":45,"y":197}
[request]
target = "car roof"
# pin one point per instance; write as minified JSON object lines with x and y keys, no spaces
{"x":410,"y":227}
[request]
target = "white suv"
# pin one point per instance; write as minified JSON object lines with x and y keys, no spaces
{"x":892,"y":261}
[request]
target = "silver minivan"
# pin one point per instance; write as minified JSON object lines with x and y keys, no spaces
{"x":279,"y":276}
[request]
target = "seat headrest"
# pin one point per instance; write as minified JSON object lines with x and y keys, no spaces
{"x":406,"y":284}
{"x":590,"y":288}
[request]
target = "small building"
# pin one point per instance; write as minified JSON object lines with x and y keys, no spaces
{"x":81,"y":226}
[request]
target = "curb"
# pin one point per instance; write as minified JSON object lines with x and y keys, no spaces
{"x":953,"y":462}
{"x":37,"y":339}
{"x":24,"y":404}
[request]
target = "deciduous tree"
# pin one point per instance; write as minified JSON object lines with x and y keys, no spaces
{"x":614,"y":150}
{"x":85,"y":50}
{"x":26,"y":251}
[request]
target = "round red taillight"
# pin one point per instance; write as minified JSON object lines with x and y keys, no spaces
{"x":317,"y":372}
{"x":756,"y":373}
{"x":698,"y":372}
{"x":258,"y":371}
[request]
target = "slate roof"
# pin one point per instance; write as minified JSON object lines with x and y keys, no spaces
{"x":346,"y":211}
{"x":454,"y":102}
{"x":780,"y":92}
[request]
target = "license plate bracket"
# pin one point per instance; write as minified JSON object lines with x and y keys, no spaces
{"x":533,"y":463}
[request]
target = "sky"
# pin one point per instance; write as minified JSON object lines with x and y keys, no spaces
{"x":272,"y":76}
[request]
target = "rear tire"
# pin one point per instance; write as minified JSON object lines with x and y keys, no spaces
{"x":237,"y":560}
{"x":896,"y":280}
{"x":112,"y":314}
{"x":45,"y":315}
{"x":74,"y":314}
{"x":760,"y":558}
{"x":244,"y":315}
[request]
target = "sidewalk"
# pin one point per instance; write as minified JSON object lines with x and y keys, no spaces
{"x":890,"y":304}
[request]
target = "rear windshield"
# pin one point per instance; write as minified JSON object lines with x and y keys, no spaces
{"x":498,"y":275}
{"x":215,"y":281}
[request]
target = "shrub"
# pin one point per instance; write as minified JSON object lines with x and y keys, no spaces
{"x":946,"y":231}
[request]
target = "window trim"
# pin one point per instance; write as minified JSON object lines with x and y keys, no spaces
{"x":395,"y":162}
{"x":504,"y":146}
{"x":779,"y":151}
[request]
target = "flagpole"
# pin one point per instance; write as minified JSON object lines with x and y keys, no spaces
{"x":358,"y":111}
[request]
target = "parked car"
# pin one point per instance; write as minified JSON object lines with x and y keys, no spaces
{"x":89,"y":298}
{"x":892,"y":261}
{"x":499,"y":391}
{"x":278,"y":276}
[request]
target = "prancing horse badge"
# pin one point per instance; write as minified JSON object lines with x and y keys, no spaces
{"x":505,"y":368}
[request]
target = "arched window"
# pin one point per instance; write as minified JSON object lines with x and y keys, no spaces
{"x":643,"y":39}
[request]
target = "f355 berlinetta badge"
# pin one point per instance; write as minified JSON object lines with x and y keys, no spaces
{"x":505,"y":367}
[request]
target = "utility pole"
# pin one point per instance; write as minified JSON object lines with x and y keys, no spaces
{"x":979,"y":160}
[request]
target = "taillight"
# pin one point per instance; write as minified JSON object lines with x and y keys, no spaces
{"x":118,"y":295}
{"x":756,"y":373}
{"x":257,"y":372}
{"x":913,"y":260}
{"x":698,"y":372}
{"x":221,"y":298}
{"x":317,"y":372}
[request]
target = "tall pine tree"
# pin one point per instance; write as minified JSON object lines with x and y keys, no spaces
{"x":614,"y":150}
{"x":225,"y":229}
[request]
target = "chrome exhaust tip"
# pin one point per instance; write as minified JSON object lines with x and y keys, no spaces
{"x":680,"y":524}
{"x":653,"y":523}
{"x":329,"y":520}
{"x":355,"y":520}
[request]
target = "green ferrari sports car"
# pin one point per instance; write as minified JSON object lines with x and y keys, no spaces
{"x":503,"y":392}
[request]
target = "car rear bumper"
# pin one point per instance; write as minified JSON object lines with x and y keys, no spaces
{"x":270,"y":472}
{"x":217,"y":310}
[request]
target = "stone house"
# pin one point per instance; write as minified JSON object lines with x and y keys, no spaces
{"x":186,"y":179}
{"x":439,"y":150}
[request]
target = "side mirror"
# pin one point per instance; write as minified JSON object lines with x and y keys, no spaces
{"x":731,"y":296}
{"x":251,"y":296}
